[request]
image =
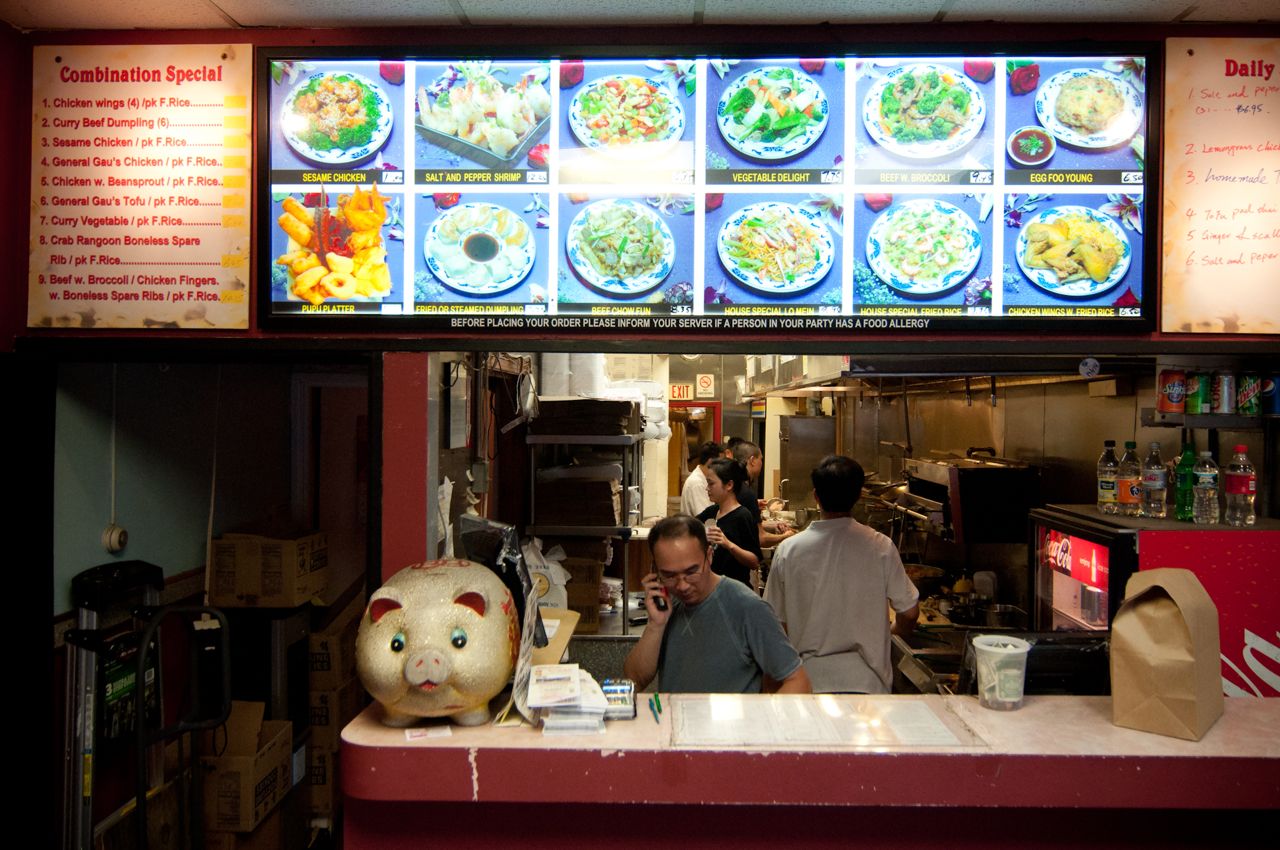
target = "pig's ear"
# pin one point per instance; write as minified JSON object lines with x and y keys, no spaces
{"x":383,"y":601}
{"x":473,"y":600}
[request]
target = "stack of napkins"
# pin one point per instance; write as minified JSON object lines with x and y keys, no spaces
{"x":568,"y":699}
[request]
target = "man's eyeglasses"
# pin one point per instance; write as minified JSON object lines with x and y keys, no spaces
{"x":689,"y":575}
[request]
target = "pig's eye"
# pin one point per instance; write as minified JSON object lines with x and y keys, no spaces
{"x":397,"y":642}
{"x":458,"y":638}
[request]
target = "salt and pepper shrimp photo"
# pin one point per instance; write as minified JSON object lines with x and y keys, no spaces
{"x":487,"y":113}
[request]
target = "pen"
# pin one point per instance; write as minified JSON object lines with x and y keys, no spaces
{"x":653,"y":708}
{"x":657,"y":700}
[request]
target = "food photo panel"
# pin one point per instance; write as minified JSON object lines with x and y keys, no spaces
{"x":928,"y":252}
{"x":634,"y":253}
{"x":777,"y":249}
{"x":337,"y":249}
{"x":337,"y":117}
{"x":1074,"y":121}
{"x":480,"y":249}
{"x":775,"y":121}
{"x":1073,"y":252}
{"x":489,"y":119}
{"x":925,"y":121}
{"x":627,"y":121}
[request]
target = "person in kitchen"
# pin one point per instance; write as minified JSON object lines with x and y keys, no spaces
{"x":735,"y":535}
{"x":771,"y":533}
{"x":693,"y":495}
{"x":829,"y":585}
{"x":711,"y":635}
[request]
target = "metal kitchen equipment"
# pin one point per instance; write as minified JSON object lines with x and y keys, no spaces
{"x":983,"y":499}
{"x":803,"y":441}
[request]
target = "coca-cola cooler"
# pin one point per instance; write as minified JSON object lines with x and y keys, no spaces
{"x":1081,"y":561}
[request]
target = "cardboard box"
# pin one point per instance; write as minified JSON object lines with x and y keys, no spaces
{"x":333,"y":649}
{"x":251,"y":772}
{"x":286,"y":828}
{"x":588,"y":616}
{"x":333,"y":709}
{"x":578,"y":502}
{"x":1166,"y":676}
{"x":583,"y":570}
{"x":585,"y":416}
{"x":323,"y":799}
{"x":257,"y":571}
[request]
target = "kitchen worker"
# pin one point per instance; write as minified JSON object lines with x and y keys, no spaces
{"x":693,"y":495}
{"x":712,"y":635}
{"x":749,"y":455}
{"x":829,"y":586}
{"x":735,"y":535}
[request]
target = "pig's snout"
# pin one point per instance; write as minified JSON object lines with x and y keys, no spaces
{"x":427,"y":668}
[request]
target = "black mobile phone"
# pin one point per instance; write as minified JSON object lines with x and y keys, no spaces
{"x":660,"y":602}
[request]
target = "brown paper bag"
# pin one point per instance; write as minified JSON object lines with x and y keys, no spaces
{"x":1166,"y":676}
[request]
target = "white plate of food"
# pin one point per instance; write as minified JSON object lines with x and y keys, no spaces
{"x":924,"y":111}
{"x":772,"y":113}
{"x":336,"y":118}
{"x":626,"y":112}
{"x":479,"y":249}
{"x":1089,"y":108}
{"x":923,"y":247}
{"x":776,"y":248}
{"x":620,"y":246}
{"x":1073,"y":251}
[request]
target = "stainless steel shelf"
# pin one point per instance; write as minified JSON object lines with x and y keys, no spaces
{"x":1152,"y":418}
{"x":583,"y":439}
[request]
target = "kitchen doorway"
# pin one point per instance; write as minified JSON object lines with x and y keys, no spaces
{"x":692,"y":424}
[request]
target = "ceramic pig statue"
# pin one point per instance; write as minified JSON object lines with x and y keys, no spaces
{"x":439,"y":639}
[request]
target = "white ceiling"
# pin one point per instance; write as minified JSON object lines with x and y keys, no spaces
{"x":222,"y":14}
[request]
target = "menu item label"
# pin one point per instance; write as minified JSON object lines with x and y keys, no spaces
{"x":1222,"y":170}
{"x":140,"y":187}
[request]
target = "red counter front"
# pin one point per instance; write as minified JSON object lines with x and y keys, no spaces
{"x":1042,"y":767}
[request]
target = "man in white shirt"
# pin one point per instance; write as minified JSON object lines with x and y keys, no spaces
{"x":832,"y":584}
{"x":693,"y":495}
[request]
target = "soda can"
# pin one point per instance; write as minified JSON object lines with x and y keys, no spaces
{"x":1247,"y":391}
{"x":1171,"y":391}
{"x":1198,"y":398}
{"x":1269,"y":396}
{"x":1224,"y":392}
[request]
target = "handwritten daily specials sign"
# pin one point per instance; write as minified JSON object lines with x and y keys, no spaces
{"x":1222,"y":186}
{"x":140,"y":186}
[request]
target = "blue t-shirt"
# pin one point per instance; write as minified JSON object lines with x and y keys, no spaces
{"x":725,"y":644}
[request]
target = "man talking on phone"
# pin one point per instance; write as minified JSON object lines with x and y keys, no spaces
{"x":705,"y":634}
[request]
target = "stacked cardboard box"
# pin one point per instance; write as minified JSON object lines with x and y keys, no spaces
{"x":576,"y":415}
{"x":250,"y":769}
{"x":578,"y":502}
{"x":282,"y":570}
{"x":336,"y":697}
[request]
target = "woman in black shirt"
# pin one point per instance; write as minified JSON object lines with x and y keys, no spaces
{"x":736,"y":536}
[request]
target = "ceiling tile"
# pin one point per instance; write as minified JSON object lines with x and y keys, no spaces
{"x":587,"y":13}
{"x":1236,"y":10}
{"x":341,"y":13}
{"x":1108,"y":10}
{"x":118,"y":14}
{"x":730,"y":12}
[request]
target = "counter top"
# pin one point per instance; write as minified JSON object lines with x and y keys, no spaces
{"x":1054,"y":752}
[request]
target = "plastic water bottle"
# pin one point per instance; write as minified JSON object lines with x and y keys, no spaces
{"x":1129,"y":481}
{"x":1205,"y":506}
{"x":1241,"y":487}
{"x":1107,"y":465}
{"x":1155,"y":485}
{"x":1184,"y":481}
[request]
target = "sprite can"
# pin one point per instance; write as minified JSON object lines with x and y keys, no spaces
{"x":1198,"y":398}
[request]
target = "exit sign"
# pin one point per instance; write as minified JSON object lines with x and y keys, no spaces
{"x":681,"y":392}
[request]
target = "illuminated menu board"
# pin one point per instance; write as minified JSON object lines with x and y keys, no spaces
{"x":835,"y":194}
